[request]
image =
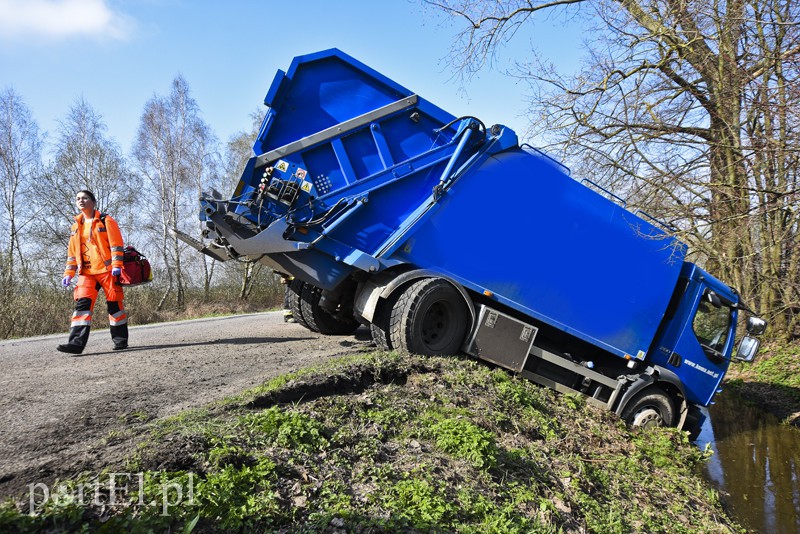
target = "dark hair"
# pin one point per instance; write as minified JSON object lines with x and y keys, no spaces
{"x":88,"y":194}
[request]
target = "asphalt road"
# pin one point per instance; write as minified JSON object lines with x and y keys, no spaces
{"x":57,"y":412}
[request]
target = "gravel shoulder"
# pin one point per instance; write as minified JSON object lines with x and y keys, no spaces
{"x":62,"y":415}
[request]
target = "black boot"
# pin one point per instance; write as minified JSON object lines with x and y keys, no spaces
{"x":70,"y":349}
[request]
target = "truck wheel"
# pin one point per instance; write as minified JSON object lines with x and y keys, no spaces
{"x":380,"y":337}
{"x":295,"y":288}
{"x":379,"y":327}
{"x":649,"y":409}
{"x":430,"y":317}
{"x":321,"y":320}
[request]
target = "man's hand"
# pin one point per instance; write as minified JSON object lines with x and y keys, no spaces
{"x":116,"y":271}
{"x":66,"y":280}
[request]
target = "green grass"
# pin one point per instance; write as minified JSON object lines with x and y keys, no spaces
{"x":772,"y":381}
{"x":400,"y":443}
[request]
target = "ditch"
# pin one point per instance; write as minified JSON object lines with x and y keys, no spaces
{"x":755,"y":466}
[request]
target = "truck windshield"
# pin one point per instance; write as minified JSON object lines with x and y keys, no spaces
{"x":712,"y":326}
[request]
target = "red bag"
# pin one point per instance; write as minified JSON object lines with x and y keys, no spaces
{"x":135,"y":268}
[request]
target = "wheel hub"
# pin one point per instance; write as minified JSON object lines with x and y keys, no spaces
{"x":435,"y":324}
{"x":648,"y":418}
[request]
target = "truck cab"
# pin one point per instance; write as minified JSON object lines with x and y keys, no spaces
{"x":697,"y":338}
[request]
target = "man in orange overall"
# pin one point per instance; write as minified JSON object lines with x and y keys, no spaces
{"x":95,"y":253}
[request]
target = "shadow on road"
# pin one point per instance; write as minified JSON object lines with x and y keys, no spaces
{"x":359,"y":336}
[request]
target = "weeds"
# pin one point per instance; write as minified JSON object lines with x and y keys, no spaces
{"x":464,"y":439}
{"x":464,"y":449}
{"x":418,"y":503}
{"x":289,"y":430}
{"x":239,"y":497}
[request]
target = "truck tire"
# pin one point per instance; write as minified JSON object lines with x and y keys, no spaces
{"x":430,"y":318}
{"x":379,"y":327}
{"x":321,"y":320}
{"x":380,"y":337}
{"x":295,"y":288}
{"x":650,"y":408}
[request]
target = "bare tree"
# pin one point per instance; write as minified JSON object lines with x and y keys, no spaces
{"x":20,"y":164}
{"x":690,"y":107}
{"x":238,"y":151}
{"x":171,"y":151}
{"x":207,"y":175}
{"x":771,"y":126}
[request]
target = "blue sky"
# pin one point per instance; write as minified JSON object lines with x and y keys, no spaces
{"x":116,"y":54}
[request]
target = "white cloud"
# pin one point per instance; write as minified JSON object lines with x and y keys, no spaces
{"x":61,"y":18}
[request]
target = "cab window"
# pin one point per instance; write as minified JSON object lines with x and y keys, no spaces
{"x":712,"y":326}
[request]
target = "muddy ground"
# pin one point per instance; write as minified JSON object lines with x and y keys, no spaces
{"x":61,"y":415}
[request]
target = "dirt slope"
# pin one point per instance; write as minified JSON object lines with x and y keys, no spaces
{"x":60,"y":415}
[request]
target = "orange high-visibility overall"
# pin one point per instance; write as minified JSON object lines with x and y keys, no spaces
{"x":95,"y":247}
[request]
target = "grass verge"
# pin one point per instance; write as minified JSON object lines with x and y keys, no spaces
{"x":389,"y":443}
{"x":772,"y":381}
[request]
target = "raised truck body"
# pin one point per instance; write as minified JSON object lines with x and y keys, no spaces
{"x":445,"y":235}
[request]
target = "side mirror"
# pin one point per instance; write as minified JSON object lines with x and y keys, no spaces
{"x":748,"y":347}
{"x":756,"y":326}
{"x":713,"y":298}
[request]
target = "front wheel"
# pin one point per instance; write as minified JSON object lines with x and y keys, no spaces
{"x":650,"y":408}
{"x":430,"y":318}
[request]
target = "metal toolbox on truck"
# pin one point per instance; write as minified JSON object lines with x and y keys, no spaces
{"x":501,"y":339}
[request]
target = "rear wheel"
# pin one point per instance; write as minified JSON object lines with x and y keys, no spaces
{"x":379,"y":327}
{"x":321,"y":320}
{"x":380,"y":337}
{"x":430,"y":317}
{"x":649,"y":409}
{"x":295,"y":290}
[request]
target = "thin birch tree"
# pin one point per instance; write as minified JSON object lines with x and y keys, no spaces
{"x":170,"y":152}
{"x":20,"y":165}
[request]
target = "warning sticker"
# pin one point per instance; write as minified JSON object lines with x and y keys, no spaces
{"x":306,"y":186}
{"x":301,"y":173}
{"x":282,"y":166}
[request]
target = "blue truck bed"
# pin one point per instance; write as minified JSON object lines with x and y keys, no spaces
{"x":353,"y":173}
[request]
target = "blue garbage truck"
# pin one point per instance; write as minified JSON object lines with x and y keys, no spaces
{"x":444,"y":235}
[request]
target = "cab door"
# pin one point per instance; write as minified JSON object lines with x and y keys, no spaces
{"x":698,"y":339}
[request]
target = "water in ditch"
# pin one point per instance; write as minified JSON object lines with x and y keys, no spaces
{"x":755,"y":466}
